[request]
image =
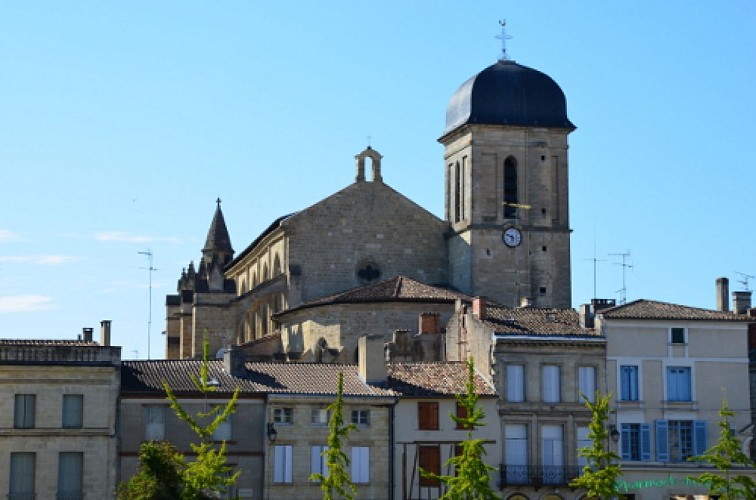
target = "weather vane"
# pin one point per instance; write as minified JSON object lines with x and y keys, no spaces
{"x":503,"y":37}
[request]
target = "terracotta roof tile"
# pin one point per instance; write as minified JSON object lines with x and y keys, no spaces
{"x":433,"y":379}
{"x":47,"y":342}
{"x":651,"y":309}
{"x":536,"y":321}
{"x":396,"y":289}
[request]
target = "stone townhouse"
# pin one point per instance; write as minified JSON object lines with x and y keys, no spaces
{"x":58,"y":402}
{"x":669,"y":368}
{"x":541,"y":361}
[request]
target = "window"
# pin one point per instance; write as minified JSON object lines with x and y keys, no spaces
{"x":429,"y":459}
{"x":361,"y":417}
{"x":677,"y":335}
{"x":515,"y":383}
{"x":516,"y":453}
{"x":22,"y":468}
{"x":223,"y":431}
{"x":427,"y":415}
{"x":460,"y":412}
{"x":583,"y":441}
{"x":282,"y":464}
{"x":552,"y":454}
{"x":73,"y":411}
{"x":635,"y":441}
{"x":587,"y":382}
{"x":318,"y":461}
{"x":70,"y":475}
{"x":23,"y":415}
{"x":510,"y":188}
{"x":676,"y":440}
{"x":282,"y":415}
{"x":678,"y":383}
{"x":550,"y":383}
{"x":629,"y":383}
{"x":360,"y":464}
{"x":319,"y":416}
{"x":155,"y":423}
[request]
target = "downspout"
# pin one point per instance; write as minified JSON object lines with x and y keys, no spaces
{"x":392,"y":449}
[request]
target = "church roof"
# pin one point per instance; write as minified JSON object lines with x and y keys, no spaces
{"x":396,"y":289}
{"x":651,"y":309}
{"x":507,"y":93}
{"x":428,"y":379}
{"x":218,"y":239}
{"x":537,"y":322}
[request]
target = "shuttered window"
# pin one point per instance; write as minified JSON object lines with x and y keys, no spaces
{"x":427,"y":415}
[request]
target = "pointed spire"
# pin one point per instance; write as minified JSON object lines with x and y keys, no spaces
{"x":218,"y":243}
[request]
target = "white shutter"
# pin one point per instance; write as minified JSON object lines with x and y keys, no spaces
{"x":515,"y":383}
{"x":360,"y":464}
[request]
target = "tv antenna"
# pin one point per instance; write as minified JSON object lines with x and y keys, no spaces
{"x":503,"y":37}
{"x":148,"y":254}
{"x":623,"y":291}
{"x":744,"y":280}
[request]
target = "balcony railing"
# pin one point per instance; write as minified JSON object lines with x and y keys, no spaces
{"x":537,"y":475}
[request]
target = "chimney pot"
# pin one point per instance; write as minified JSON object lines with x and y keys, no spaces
{"x":723,"y":292}
{"x":105,"y":332}
{"x":479,"y":308}
{"x":741,"y":302}
{"x":87,"y":334}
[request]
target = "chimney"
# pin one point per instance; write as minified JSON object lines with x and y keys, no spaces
{"x":586,"y":316}
{"x":723,"y":292}
{"x":741,"y":302}
{"x":87,"y":333}
{"x":429,"y":323}
{"x":370,"y":359}
{"x":234,"y":359}
{"x":479,"y":308}
{"x":105,"y":333}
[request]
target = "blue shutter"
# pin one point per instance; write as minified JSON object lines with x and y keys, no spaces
{"x":645,"y":442}
{"x":699,"y":437}
{"x":662,"y":441}
{"x":625,"y":433}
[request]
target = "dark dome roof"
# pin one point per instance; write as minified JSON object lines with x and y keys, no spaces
{"x":507,"y":93}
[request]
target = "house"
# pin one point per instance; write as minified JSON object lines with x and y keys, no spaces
{"x":669,"y":368}
{"x":542,"y":362}
{"x":58,"y":401}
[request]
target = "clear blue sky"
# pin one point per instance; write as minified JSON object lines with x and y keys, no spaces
{"x":122,"y":122}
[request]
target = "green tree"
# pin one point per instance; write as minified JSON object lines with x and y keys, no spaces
{"x":725,"y":455}
{"x":336,"y":480}
{"x":209,"y":473}
{"x":472,"y":479}
{"x":599,"y":476}
{"x":159,"y":476}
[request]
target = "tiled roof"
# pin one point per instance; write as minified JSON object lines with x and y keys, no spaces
{"x":396,"y":289}
{"x":433,"y":379}
{"x":47,"y":342}
{"x":283,"y":378}
{"x":651,"y":309}
{"x":535,"y":321}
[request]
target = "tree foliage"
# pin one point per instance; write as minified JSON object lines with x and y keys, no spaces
{"x":165,"y":474}
{"x":726,"y":455}
{"x":599,"y":475}
{"x":336,"y":481}
{"x":472,"y":479}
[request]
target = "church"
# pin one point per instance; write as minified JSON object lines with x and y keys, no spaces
{"x":367,"y":260}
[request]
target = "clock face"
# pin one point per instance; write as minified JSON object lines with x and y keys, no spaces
{"x":512,"y":237}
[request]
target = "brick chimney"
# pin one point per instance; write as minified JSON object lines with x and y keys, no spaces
{"x":87,"y":332}
{"x":429,"y":323}
{"x":723,"y":292}
{"x":105,"y":333}
{"x":479,"y":308}
{"x":371,"y":362}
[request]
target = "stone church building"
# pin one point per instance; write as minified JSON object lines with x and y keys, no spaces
{"x":368,"y":260}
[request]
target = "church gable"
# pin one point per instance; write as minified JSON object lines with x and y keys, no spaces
{"x":362,"y":234}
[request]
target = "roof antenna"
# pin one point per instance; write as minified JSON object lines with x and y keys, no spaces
{"x":745,"y":279}
{"x":503,"y":37}
{"x":623,"y":291}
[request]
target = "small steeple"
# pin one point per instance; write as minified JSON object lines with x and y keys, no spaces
{"x":218,"y":244}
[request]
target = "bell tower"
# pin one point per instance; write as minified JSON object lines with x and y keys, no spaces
{"x":507,"y":187}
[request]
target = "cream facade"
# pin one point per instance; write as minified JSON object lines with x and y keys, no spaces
{"x":58,"y":403}
{"x":669,"y":369}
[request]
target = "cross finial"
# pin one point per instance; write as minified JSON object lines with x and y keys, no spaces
{"x":218,"y":201}
{"x":503,"y":37}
